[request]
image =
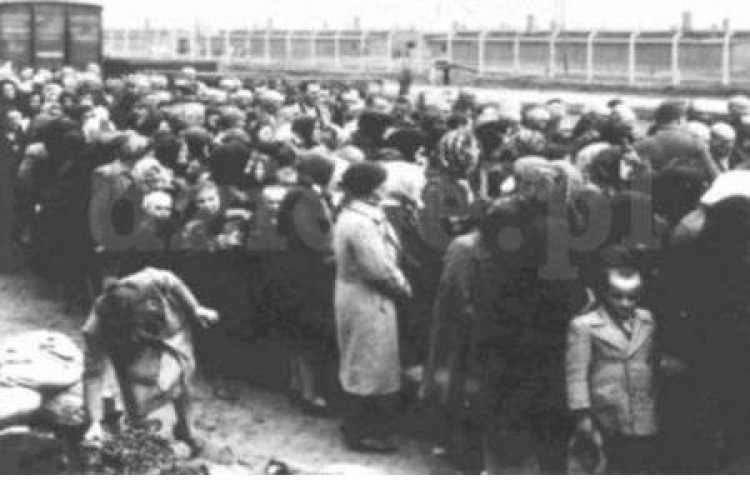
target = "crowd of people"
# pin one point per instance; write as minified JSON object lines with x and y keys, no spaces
{"x":568,"y":291}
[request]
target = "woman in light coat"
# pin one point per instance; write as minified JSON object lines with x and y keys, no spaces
{"x":368,"y":284}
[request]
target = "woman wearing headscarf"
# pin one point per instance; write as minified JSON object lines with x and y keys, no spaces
{"x":369,"y":282}
{"x":305,"y":219}
{"x":142,"y":325}
{"x":421,"y":263}
{"x":450,"y":204}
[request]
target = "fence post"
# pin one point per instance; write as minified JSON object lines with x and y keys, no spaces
{"x":267,"y":47}
{"x":553,"y":35}
{"x":363,"y":50}
{"x":676,"y":77}
{"x":288,"y":47}
{"x":481,"y":49}
{"x":194,"y":52}
{"x":517,"y":53}
{"x":249,"y":44}
{"x":145,"y":46}
{"x":227,"y":46}
{"x":389,"y":48}
{"x":631,"y":57}
{"x":726,"y":59}
{"x":174,"y":44}
{"x":337,"y":49}
{"x":449,"y":46}
{"x":129,"y":35}
{"x":590,"y":57}
{"x":313,"y":48}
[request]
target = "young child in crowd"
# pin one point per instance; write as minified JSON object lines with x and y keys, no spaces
{"x":610,"y":369}
{"x":205,"y":245}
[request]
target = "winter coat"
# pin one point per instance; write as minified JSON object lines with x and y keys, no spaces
{"x":307,"y":281}
{"x":445,"y":376}
{"x":612,"y":375}
{"x":368,"y":282}
{"x":498,"y":339}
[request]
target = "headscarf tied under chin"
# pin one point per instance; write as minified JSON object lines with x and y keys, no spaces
{"x":458,"y":153}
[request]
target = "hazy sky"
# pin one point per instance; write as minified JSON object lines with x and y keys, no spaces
{"x":425,"y":14}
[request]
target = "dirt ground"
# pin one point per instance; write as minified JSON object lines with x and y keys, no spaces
{"x":260,"y":426}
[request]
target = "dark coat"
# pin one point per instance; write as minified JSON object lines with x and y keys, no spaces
{"x":307,"y":281}
{"x":421,"y":264}
{"x":675,"y":146}
{"x":499,"y":333}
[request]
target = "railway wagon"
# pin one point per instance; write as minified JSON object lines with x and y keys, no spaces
{"x":50,"y":33}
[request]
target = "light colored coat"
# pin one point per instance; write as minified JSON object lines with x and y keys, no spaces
{"x":367,"y":280}
{"x":612,"y":375}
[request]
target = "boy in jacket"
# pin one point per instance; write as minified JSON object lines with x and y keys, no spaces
{"x":610,"y":371}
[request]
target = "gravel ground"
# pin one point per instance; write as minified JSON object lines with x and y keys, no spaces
{"x":259,"y":426}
